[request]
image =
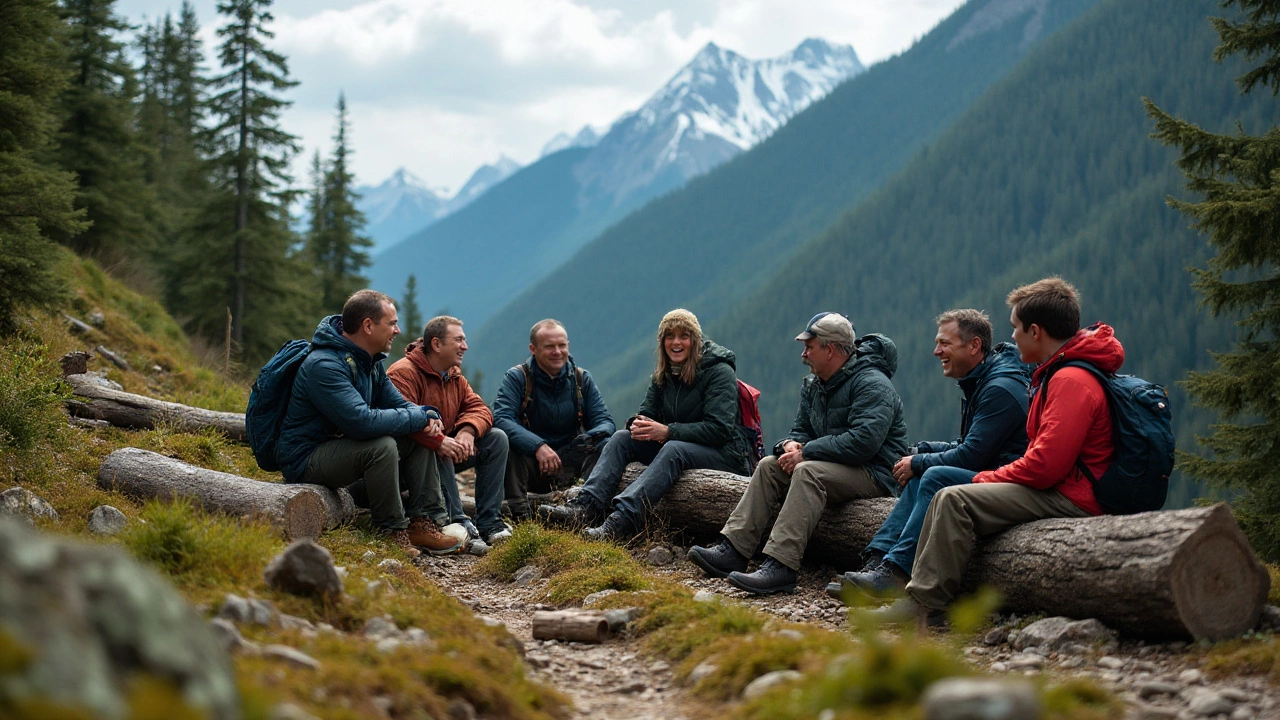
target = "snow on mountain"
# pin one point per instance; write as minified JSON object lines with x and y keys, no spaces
{"x":401,"y":204}
{"x":483,"y":179}
{"x":717,"y":106}
{"x":586,"y":137}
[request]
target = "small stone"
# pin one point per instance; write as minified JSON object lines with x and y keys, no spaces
{"x":229,"y":636}
{"x":620,"y":618}
{"x":632,"y":687}
{"x":659,"y":667}
{"x":289,"y":711}
{"x":1055,"y":631}
{"x":660,"y":555}
{"x":380,"y":627}
{"x":1110,"y":676}
{"x":538,"y":660}
{"x":790,"y":634}
{"x":1242,"y":713}
{"x":768,"y":681}
{"x":827,"y":714}
{"x":1206,"y":702}
{"x":387,"y":644}
{"x":390,"y":565}
{"x":369,"y":556}
{"x":1026,"y":661}
{"x":477,"y":547}
{"x":291,"y":655}
{"x":1190,"y":677}
{"x":1072,"y":663}
{"x":996,"y":636}
{"x":704,"y":596}
{"x":292,"y":622}
{"x":304,"y":568}
{"x":490,"y":621}
{"x":25,"y":505}
{"x":596,"y":597}
{"x":254,"y":611}
{"x":1235,"y":694}
{"x":106,"y":520}
{"x":97,"y":319}
{"x":1111,"y":663}
{"x":957,"y":698}
{"x":1148,"y":690}
{"x":999,"y":667}
{"x":375,"y":587}
{"x":460,"y":709}
{"x":526,"y":575}
{"x":384,"y":703}
{"x":700,"y":671}
{"x":1073,"y":648}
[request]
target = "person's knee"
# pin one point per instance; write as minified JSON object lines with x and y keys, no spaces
{"x":498,"y":438}
{"x":384,"y":448}
{"x":949,"y":500}
{"x":935,"y":479}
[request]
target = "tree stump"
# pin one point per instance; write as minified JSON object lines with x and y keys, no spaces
{"x":137,"y":411}
{"x":575,"y":625}
{"x":298,"y":510}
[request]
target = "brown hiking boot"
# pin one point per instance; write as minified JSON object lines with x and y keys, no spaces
{"x":424,"y":534}
{"x":400,"y":538}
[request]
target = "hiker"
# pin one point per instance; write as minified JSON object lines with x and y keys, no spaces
{"x":554,"y":417}
{"x":689,"y":419}
{"x":1068,"y":431}
{"x":848,"y":433}
{"x":993,"y":419}
{"x":346,"y":422}
{"x":430,"y":373}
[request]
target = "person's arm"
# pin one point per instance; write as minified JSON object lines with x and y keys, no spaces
{"x":472,"y":411}
{"x":328,"y":384}
{"x":997,"y":416}
{"x":651,"y":407}
{"x":719,"y":422}
{"x":506,"y":411}
{"x":1075,"y":399}
{"x":874,"y":405}
{"x":596,"y":420}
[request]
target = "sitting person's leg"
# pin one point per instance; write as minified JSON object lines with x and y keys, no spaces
{"x":521,"y":470}
{"x":903,"y":553}
{"x":591,"y":504}
{"x":664,"y":469}
{"x":341,"y":462}
{"x":747,"y":523}
{"x":491,"y":466}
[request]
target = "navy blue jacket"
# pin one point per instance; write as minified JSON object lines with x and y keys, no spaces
{"x":551,"y":414}
{"x":340,"y":391}
{"x":993,"y":417}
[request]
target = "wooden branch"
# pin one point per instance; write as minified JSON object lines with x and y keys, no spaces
{"x":115,"y":359}
{"x":138,"y":411}
{"x":299,"y":510}
{"x":575,"y":625}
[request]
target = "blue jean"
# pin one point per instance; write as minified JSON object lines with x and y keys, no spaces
{"x":898,"y":536}
{"x":665,"y":463}
{"x":490,"y":462}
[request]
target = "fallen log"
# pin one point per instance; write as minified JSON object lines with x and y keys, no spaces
{"x":124,"y":409}
{"x":1184,"y":573}
{"x":588,"y":627}
{"x":115,"y":359}
{"x":298,"y":510}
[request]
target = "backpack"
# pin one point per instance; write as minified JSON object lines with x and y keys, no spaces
{"x":1142,"y":437}
{"x":751,"y":428}
{"x":269,"y":399}
{"x":527,"y":370}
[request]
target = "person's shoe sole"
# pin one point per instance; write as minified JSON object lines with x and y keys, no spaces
{"x":759,"y":590}
{"x":696,"y":558}
{"x":447,"y":551}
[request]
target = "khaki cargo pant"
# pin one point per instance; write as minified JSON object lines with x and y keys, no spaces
{"x":804,"y":494}
{"x":958,"y":516}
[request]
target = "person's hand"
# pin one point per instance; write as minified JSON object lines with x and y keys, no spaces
{"x":642,"y":428}
{"x":902,"y":471}
{"x":467,"y":439}
{"x":433,"y":428}
{"x":789,"y":445}
{"x":452,"y":449}
{"x":791,"y":458}
{"x":548,"y":460}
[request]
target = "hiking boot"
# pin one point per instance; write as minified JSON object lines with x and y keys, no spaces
{"x":616,"y":528}
{"x":497,"y":535}
{"x":400,"y":538}
{"x":906,"y":610}
{"x":575,"y":514}
{"x":871,"y":559}
{"x":424,"y":534}
{"x":771,"y":577}
{"x":884,"y":580}
{"x":718,"y":561}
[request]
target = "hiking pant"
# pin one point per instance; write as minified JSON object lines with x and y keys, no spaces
{"x":383,"y":467}
{"x":897,"y":537}
{"x":490,"y":462}
{"x":665,"y":463}
{"x":523,"y":474}
{"x":958,"y":516}
{"x":804,"y":494}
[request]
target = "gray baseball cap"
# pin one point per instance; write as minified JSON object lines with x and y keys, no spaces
{"x":829,"y":327}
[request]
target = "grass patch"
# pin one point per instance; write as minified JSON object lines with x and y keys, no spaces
{"x":1273,"y":595}
{"x":1080,"y":699}
{"x":577,"y":567}
{"x":31,"y":395}
{"x":1257,"y":655}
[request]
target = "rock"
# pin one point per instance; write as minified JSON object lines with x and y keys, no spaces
{"x":1073,"y":648}
{"x":980,"y":699}
{"x":790,"y":634}
{"x":25,"y":505}
{"x":390,"y":565}
{"x":292,"y":622}
{"x":369,"y":556}
{"x":1072,"y":663}
{"x":387,"y":644}
{"x":238,"y":609}
{"x":527,"y":575}
{"x":106,"y":520}
{"x":1190,"y":677}
{"x":633,"y":687}
{"x":538,"y":660}
{"x":304,"y":568}
{"x":289,"y":711}
{"x":1148,"y":690}
{"x":375,"y":587}
{"x":702,"y":670}
{"x":1053,"y":632}
{"x":416,"y":636}
{"x":490,"y":621}
{"x":74,"y":363}
{"x":1111,"y":663}
{"x":95,"y":619}
{"x":1026,"y":661}
{"x":229,"y":636}
{"x":460,"y":709}
{"x":596,"y":597}
{"x":660,"y":555}
{"x":1206,"y":702}
{"x":97,"y":319}
{"x":704,"y":596}
{"x":1152,"y":712}
{"x":659,"y":667}
{"x":620,"y":618}
{"x":477,"y":547}
{"x":290,"y":655}
{"x":768,"y":681}
{"x":1242,"y":713}
{"x":1270,"y":619}
{"x":1235,"y":695}
{"x":380,"y":627}
{"x":999,"y":667}
{"x":996,"y":636}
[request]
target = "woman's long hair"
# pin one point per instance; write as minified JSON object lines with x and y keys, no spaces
{"x":679,"y":319}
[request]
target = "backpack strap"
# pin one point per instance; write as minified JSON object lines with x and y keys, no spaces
{"x":528,"y":392}
{"x":577,"y":392}
{"x":1102,"y":381}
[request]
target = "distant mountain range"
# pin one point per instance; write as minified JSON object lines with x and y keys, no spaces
{"x":713,"y":109}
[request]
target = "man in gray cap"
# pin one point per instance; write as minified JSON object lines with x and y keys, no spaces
{"x":848,"y":433}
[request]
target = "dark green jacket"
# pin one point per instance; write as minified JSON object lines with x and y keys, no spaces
{"x":706,"y":412}
{"x":855,"y":417}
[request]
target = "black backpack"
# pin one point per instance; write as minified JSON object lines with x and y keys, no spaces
{"x":1142,"y":436}
{"x":269,"y":400}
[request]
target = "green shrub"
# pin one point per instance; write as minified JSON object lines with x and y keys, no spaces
{"x":30,"y":396}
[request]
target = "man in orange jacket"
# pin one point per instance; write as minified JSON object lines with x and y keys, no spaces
{"x":1068,"y":425}
{"x":429,"y":373}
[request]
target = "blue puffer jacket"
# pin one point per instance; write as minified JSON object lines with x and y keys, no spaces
{"x":551,"y":414}
{"x":340,"y":390}
{"x":993,"y":416}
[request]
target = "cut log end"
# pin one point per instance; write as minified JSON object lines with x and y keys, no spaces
{"x":1219,"y":585}
{"x":304,"y":516}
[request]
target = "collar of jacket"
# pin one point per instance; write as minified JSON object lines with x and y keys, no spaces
{"x":419,"y":358}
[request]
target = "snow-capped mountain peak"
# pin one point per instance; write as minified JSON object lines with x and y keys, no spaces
{"x":587,"y":137}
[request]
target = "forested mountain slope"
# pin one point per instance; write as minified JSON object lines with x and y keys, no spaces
{"x":1052,"y":173}
{"x":711,"y":244}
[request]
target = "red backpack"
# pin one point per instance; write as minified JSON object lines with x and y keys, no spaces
{"x":752,"y":429}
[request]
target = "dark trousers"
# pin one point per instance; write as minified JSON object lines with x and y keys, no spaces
{"x":490,"y":462}
{"x":382,"y":467}
{"x":523,"y":475}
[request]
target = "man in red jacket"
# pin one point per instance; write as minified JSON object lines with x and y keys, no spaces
{"x":1068,"y":424}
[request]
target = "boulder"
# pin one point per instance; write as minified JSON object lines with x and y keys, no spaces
{"x":106,"y":520}
{"x":25,"y":505}
{"x":767,"y":682}
{"x":980,"y":699}
{"x":242,"y":610}
{"x":1054,"y":632}
{"x":304,"y":568}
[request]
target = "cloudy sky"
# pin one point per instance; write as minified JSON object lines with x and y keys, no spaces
{"x":444,"y":86}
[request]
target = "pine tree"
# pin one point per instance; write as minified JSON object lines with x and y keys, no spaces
{"x":97,"y":140}
{"x":411,"y":321}
{"x":33,"y":194}
{"x":239,"y":256}
{"x":1237,"y":178}
{"x":338,"y":247}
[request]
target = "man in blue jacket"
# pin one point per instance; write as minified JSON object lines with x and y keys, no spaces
{"x":993,"y":432}
{"x":557,"y":436}
{"x":346,"y":421}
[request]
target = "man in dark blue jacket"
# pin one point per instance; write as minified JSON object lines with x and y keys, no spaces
{"x":557,"y":437}
{"x":346,"y":421}
{"x":993,"y":420}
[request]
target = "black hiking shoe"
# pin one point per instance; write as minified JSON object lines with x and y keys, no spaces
{"x":884,"y":580}
{"x":718,"y":561}
{"x":871,"y":559}
{"x":771,"y":577}
{"x":616,"y":528}
{"x":905,"y":610}
{"x":577,"y":513}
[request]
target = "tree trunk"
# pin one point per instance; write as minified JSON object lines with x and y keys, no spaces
{"x":1173,"y":573}
{"x":299,"y":510}
{"x":137,"y":411}
{"x":588,"y":627}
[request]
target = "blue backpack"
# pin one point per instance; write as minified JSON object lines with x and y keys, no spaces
{"x":1142,"y":435}
{"x":269,"y":400}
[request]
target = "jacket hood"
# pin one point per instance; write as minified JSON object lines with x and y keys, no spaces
{"x":877,"y":351}
{"x":1096,"y":344}
{"x":414,"y":353}
{"x":1003,"y":361}
{"x":713,"y":353}
{"x":328,"y":334}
